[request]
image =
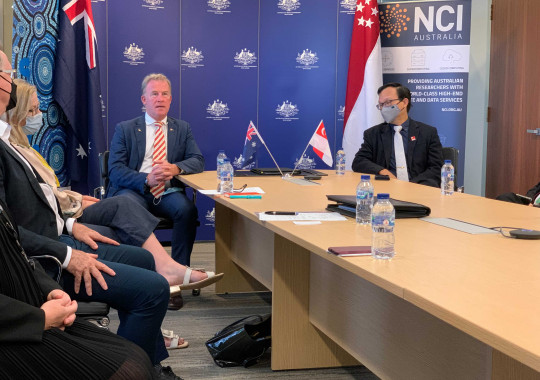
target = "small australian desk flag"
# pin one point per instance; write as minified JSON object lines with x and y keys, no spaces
{"x":253,"y":140}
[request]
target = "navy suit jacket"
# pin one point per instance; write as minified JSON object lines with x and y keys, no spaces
{"x":129,"y":145}
{"x":424,"y":152}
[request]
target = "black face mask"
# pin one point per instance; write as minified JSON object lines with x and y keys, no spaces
{"x":12,"y":96}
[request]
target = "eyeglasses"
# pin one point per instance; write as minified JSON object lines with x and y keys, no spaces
{"x":12,"y":72}
{"x":388,"y":103}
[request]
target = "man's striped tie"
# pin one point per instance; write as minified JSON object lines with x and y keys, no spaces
{"x":160,"y":153}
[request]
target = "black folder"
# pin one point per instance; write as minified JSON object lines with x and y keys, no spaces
{"x":346,"y":205}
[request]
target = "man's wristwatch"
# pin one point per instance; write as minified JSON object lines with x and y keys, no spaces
{"x":146,"y":185}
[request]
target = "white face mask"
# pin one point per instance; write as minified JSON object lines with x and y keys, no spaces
{"x":33,"y":124}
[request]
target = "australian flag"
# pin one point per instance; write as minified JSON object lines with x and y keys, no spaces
{"x":77,"y":91}
{"x":253,"y":140}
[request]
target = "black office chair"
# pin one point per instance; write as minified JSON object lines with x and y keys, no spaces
{"x":452,"y":154}
{"x":94,"y":312}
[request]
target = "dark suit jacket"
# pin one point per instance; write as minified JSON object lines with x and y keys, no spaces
{"x":535,"y":190}
{"x":129,"y":145}
{"x":424,"y":152}
{"x":20,"y":191}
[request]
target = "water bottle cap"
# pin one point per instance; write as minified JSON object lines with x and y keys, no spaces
{"x":447,"y":161}
{"x":365,"y":177}
{"x":383,"y":196}
{"x":221,"y":151}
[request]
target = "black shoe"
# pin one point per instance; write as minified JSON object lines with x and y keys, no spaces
{"x":165,"y":373}
{"x":176,"y":302}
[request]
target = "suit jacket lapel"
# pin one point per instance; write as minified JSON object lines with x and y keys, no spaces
{"x":412,"y":136}
{"x":32,"y":176}
{"x":388,"y":143}
{"x":172,"y":132}
{"x":140,"y":135}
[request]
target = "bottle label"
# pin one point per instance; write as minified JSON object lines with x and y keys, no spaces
{"x":382,"y":220}
{"x":364,"y":195}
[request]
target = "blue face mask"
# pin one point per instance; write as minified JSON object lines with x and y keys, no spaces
{"x":390,"y":113}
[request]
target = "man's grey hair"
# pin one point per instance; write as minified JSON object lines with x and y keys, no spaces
{"x":153,"y":76}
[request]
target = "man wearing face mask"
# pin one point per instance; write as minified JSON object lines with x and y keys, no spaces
{"x":401,"y":147}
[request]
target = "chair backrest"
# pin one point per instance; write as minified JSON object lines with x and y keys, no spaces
{"x":452,"y":154}
{"x":104,"y":169}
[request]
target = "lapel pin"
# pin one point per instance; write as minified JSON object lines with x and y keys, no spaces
{"x":413,"y":138}
{"x":139,"y":129}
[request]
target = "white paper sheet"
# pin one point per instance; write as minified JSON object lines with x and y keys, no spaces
{"x":302,"y":216}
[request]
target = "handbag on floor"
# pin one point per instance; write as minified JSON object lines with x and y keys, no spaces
{"x":242,"y":342}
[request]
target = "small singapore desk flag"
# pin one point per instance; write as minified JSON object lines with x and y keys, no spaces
{"x":320,"y":145}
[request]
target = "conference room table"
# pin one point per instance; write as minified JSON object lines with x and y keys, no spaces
{"x":449,"y":305}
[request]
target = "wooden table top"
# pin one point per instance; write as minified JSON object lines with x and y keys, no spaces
{"x":486,"y":285}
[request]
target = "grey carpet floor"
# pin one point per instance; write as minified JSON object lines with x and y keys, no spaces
{"x":202,"y":316}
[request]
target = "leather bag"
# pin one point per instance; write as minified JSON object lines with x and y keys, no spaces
{"x":242,"y":342}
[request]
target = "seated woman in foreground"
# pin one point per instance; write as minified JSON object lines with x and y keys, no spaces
{"x":40,"y":337}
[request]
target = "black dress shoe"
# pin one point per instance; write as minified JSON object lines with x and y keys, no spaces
{"x":176,"y":302}
{"x":165,"y":373}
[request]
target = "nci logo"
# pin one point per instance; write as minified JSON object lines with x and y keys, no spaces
{"x":438,"y":23}
{"x":431,"y":23}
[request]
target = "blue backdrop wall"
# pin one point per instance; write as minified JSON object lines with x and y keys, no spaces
{"x":280,"y":63}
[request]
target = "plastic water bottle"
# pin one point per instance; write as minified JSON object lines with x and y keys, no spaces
{"x":340,"y":162}
{"x":382,"y":225}
{"x":227,"y":177}
{"x":447,"y":178}
{"x":220,"y":157}
{"x":364,"y":200}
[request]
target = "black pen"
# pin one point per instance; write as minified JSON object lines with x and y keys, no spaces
{"x":281,"y":213}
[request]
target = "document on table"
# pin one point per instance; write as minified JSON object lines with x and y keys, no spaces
{"x":257,"y":190}
{"x":303,"y":216}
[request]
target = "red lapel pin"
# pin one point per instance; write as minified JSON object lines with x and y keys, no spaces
{"x":413,"y":138}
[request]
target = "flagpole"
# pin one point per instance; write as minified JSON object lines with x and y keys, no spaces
{"x":270,"y":153}
{"x":301,"y":158}
{"x":268,"y":150}
{"x":307,"y":146}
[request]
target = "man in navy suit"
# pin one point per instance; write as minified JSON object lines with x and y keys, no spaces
{"x":421,"y":144}
{"x":136,"y":173}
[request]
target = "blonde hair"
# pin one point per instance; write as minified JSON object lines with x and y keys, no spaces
{"x":16,"y":117}
{"x":154,"y":76}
